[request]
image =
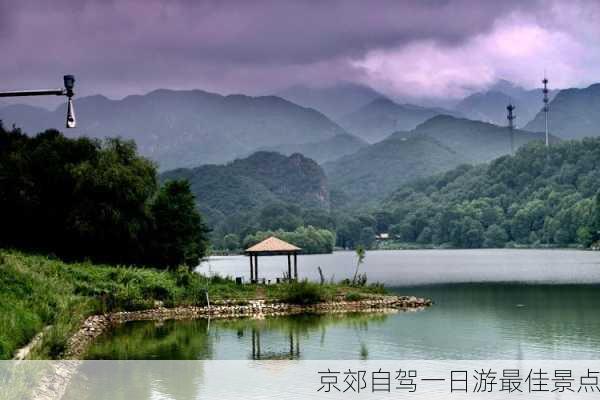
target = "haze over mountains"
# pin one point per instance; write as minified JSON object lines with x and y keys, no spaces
{"x":574,"y":114}
{"x":193,"y":128}
{"x":377,"y":119}
{"x":325,"y":150}
{"x":186,"y":128}
{"x":334,"y":101}
{"x":362,"y":111}
{"x":490,"y":105}
{"x":441,"y":143}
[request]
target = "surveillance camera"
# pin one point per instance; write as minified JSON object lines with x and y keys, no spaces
{"x":71,"y":123}
{"x":69,"y":84}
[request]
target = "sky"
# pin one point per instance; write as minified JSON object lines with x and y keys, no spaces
{"x":442,"y":49}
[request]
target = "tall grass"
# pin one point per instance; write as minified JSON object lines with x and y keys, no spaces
{"x":38,"y":291}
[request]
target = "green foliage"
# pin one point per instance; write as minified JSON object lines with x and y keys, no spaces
{"x":310,"y":239}
{"x":180,"y":235}
{"x":38,"y":291}
{"x":263,"y":192}
{"x":437,"y":145}
{"x":231,"y":242}
{"x":361,"y":253}
{"x":353,"y":296}
{"x":537,"y":197}
{"x":83,"y":199}
{"x":303,"y":292}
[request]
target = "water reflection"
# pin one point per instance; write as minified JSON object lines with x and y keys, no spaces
{"x":271,"y":338}
{"x":129,"y":381}
{"x":467,"y":321}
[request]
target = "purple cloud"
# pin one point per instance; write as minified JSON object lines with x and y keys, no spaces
{"x":417,"y":48}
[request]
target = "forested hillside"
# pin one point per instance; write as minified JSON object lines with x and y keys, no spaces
{"x":437,"y":145}
{"x":536,"y":197}
{"x":476,"y":141}
{"x":573,"y":114}
{"x":378,"y":169}
{"x":266,"y":191}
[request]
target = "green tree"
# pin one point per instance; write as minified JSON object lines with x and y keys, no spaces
{"x":584,"y":236}
{"x":361,"y":253}
{"x":367,"y":237}
{"x":495,"y":237}
{"x":231,"y":241}
{"x":179,"y":236}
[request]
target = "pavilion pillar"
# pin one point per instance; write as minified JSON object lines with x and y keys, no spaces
{"x":289,"y":266}
{"x":251,"y":268}
{"x":253,"y":343}
{"x":296,"y":266}
{"x":258,"y":344}
{"x":256,"y":268}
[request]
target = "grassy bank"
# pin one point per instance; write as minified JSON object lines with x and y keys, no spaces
{"x":37,"y":291}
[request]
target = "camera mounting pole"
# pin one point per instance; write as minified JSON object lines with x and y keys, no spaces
{"x":69,"y":81}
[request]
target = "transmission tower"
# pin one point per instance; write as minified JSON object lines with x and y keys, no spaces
{"x":511,"y":126}
{"x":546,"y":108}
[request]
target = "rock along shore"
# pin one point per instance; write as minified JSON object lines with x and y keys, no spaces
{"x":95,"y":325}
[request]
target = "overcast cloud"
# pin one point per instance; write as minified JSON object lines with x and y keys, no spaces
{"x":404,"y":48}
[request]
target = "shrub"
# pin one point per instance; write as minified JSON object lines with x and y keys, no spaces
{"x":353,"y":296}
{"x":303,"y":292}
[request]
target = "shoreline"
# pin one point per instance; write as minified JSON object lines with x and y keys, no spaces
{"x":416,"y":248}
{"x":96,"y":325}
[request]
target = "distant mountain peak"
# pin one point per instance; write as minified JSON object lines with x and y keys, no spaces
{"x":182,"y":128}
{"x":505,"y":86}
{"x":383,"y":101}
{"x":573,"y":114}
{"x":334,"y":101}
{"x":382,"y":116}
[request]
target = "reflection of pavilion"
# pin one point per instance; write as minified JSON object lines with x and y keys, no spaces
{"x":292,"y":353}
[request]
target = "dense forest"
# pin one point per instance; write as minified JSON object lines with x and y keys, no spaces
{"x":86,"y":199}
{"x":537,"y":197}
{"x":437,"y":145}
{"x":264,"y":192}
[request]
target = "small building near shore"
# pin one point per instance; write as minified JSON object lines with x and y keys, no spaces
{"x":382,"y":236}
{"x":273,"y":246}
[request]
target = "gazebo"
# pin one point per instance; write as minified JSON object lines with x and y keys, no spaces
{"x":272,"y":246}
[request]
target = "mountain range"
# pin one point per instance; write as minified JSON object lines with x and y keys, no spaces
{"x":248,"y":184}
{"x":574,"y":114}
{"x":334,"y":101}
{"x":490,"y":105}
{"x":382,"y":116}
{"x":186,"y":128}
{"x":440,"y":143}
{"x":325,"y":150}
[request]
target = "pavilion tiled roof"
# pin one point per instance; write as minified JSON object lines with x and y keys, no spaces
{"x":272,"y":245}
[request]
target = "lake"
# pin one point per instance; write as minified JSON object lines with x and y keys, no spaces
{"x":489,"y":304}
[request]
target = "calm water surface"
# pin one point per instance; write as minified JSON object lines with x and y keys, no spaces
{"x":489,"y":304}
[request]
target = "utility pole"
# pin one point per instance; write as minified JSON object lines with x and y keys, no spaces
{"x":546,"y":108}
{"x":511,"y":126}
{"x":69,"y":82}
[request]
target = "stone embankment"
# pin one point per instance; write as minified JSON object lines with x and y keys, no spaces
{"x":95,"y":325}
